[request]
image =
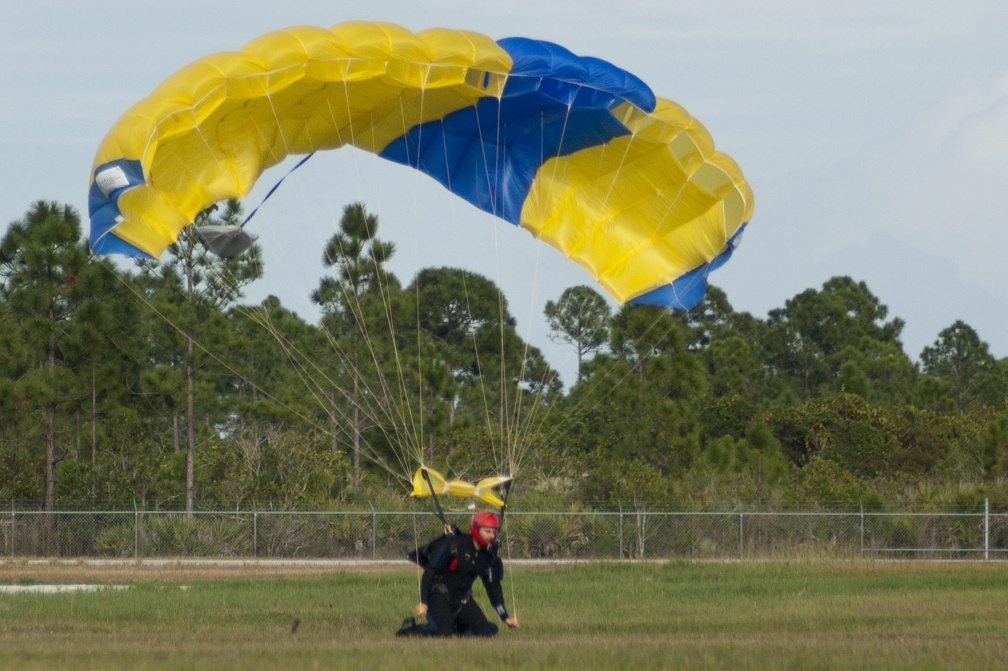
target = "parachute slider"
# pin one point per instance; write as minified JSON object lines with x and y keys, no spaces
{"x":225,"y":241}
{"x":428,"y":482}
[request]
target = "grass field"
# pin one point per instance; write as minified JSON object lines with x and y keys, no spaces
{"x":804,"y":614}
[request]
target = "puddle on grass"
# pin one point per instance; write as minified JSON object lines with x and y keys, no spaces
{"x":58,"y":589}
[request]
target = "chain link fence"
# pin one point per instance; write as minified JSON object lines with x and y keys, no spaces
{"x":386,"y":535}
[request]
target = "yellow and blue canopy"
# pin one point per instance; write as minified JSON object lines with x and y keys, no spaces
{"x":577,"y":151}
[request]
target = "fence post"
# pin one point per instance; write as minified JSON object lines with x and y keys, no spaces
{"x":374,"y":531}
{"x":620,"y":531}
{"x":741,"y":553}
{"x":255,"y":534}
{"x":986,"y":526}
{"x":136,"y":532}
{"x":862,"y":529}
{"x":642,"y":532}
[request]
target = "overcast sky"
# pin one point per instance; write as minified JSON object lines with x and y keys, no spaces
{"x":874,"y":134}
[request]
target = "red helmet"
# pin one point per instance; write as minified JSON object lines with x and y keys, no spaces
{"x":483,"y":518}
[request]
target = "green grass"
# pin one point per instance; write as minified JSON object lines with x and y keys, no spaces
{"x":803,"y":614}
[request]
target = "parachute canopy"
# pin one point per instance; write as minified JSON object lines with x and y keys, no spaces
{"x":577,"y":151}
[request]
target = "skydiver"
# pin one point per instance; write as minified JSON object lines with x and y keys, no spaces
{"x":451,"y":564}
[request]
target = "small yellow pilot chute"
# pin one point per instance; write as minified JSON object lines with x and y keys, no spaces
{"x":428,"y":482}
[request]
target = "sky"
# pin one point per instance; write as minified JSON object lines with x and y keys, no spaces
{"x":874,"y":135}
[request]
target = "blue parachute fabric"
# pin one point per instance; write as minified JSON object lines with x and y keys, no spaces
{"x":119,"y":175}
{"x":686,"y":292}
{"x":553,"y":104}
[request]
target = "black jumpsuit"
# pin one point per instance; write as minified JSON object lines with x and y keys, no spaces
{"x":452,"y":565}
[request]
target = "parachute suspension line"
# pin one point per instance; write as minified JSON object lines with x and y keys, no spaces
{"x":362,"y":390}
{"x":315,"y":379}
{"x":410,"y":417}
{"x":415,"y":415}
{"x":513,"y":432}
{"x":274,"y":188}
{"x":557,"y":430}
{"x":491,"y":190}
{"x":416,"y":285}
{"x":589,"y":402}
{"x":296,"y":411}
{"x":511,"y":412}
{"x":465,"y":284}
{"x":482,"y":381}
{"x":405,"y":412}
{"x":506,"y":410}
{"x":399,"y":412}
{"x":301,"y":369}
{"x":296,"y":357}
{"x":497,"y":449}
{"x":374,"y":412}
{"x":515,"y":428}
{"x":318,"y":386}
{"x":501,"y":443}
{"x":352,"y":362}
{"x":330,"y":407}
{"x":395,"y":411}
{"x":519,"y":439}
{"x":503,"y":531}
{"x":525,"y":429}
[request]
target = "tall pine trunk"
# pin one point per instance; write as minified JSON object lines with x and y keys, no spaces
{"x":356,"y":427}
{"x":190,"y":431}
{"x":50,"y":467}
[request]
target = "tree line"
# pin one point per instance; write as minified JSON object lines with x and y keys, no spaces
{"x":155,"y":386}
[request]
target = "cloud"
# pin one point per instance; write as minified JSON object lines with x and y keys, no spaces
{"x":939,"y":186}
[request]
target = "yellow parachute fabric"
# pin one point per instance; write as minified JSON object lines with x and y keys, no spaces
{"x":208,"y":131}
{"x":483,"y":491}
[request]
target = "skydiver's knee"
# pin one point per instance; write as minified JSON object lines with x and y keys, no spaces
{"x":487,"y":629}
{"x":434,"y":628}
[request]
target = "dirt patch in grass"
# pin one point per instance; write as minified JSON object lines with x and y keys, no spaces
{"x":173,"y":570}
